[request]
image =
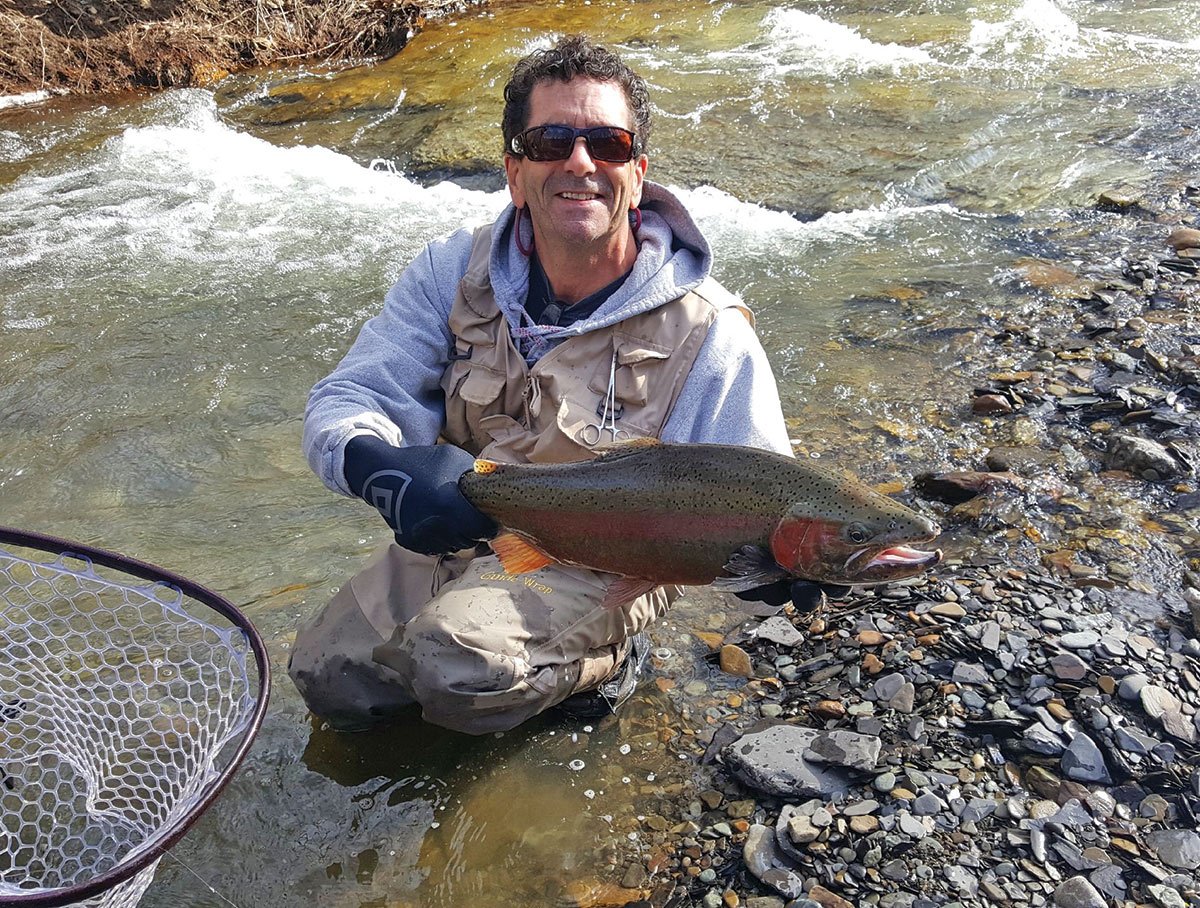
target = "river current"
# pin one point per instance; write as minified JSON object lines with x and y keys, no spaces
{"x":177,"y":270}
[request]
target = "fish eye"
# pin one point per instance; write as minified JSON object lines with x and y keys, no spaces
{"x":857,"y":533}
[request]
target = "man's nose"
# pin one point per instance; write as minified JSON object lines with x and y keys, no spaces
{"x":580,"y":161}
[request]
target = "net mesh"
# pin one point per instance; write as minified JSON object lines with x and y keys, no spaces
{"x":116,"y":709}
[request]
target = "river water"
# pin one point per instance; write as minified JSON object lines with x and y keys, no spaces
{"x":177,"y":270}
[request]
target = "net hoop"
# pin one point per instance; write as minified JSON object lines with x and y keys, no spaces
{"x":153,"y":848}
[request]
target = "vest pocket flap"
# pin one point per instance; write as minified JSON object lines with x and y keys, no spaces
{"x":631,"y":350}
{"x":481,"y":386}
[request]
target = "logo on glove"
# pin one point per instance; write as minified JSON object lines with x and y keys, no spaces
{"x":385,"y":491}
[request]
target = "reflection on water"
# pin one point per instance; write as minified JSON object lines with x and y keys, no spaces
{"x":176,"y":272}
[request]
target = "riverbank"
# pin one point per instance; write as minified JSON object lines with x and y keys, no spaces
{"x":1021,"y":726}
{"x":84,"y":46}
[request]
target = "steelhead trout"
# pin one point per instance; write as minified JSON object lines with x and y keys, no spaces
{"x":697,"y":514}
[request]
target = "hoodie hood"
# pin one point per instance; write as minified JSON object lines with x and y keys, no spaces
{"x":673,"y":258}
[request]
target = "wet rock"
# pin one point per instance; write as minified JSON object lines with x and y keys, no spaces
{"x":736,"y":661}
{"x":1119,"y":200}
{"x":779,"y":630}
{"x":1142,"y":457}
{"x":990,"y":405}
{"x":828,"y":899}
{"x":790,"y":761}
{"x":764,"y":860}
{"x":955,"y":488}
{"x":1184,"y":238}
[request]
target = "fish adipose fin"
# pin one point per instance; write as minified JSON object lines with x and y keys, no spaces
{"x":517,"y":556}
{"x":624,"y":590}
{"x":750,"y":566}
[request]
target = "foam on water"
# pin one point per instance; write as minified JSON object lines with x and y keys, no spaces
{"x":1047,"y":30}
{"x":188,"y":187}
{"x":1041,"y":27}
{"x":725,"y":218}
{"x":800,"y":43}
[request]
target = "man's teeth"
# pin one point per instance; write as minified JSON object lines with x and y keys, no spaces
{"x":579,"y":196}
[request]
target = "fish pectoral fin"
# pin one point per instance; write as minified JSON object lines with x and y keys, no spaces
{"x":624,"y":590}
{"x":749,"y":567}
{"x":517,"y":555}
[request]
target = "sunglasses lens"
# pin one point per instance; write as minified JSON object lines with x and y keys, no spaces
{"x":609,"y":144}
{"x":549,"y":143}
{"x":555,"y":143}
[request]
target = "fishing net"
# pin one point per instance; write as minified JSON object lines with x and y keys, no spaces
{"x":127,"y":701}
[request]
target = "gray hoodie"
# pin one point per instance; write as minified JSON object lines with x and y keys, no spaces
{"x":389,"y":383}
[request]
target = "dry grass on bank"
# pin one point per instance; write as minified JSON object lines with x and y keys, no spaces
{"x":105,"y":45}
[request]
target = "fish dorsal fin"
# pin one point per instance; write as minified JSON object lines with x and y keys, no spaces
{"x":518,"y":556}
{"x":483,"y":467}
{"x":616,"y":449}
{"x":749,"y":567}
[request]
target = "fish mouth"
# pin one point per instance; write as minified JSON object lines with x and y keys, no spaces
{"x":892,"y":563}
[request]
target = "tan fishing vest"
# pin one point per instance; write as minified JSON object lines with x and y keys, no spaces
{"x":500,"y":408}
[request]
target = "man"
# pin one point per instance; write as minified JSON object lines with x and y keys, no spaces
{"x":585,"y":310}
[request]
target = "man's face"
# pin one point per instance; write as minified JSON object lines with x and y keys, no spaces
{"x":579,"y":202}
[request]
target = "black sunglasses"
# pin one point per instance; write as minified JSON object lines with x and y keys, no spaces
{"x":553,"y":142}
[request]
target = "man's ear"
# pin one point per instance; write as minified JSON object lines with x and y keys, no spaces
{"x":639,"y":174}
{"x":512,"y":169}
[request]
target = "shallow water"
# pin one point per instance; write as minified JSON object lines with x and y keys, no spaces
{"x":176,"y":271}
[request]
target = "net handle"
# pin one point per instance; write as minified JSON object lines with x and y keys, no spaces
{"x":157,"y":847}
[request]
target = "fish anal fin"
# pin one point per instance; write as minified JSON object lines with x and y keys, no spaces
{"x":624,"y":590}
{"x":749,"y":567}
{"x":517,"y":556}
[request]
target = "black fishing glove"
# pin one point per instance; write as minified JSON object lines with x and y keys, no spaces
{"x":804,"y":594}
{"x":415,"y":489}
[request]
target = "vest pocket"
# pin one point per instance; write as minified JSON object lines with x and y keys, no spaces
{"x":637,"y":362}
{"x":473,"y":392}
{"x":481,"y":386}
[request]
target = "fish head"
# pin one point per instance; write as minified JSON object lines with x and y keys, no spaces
{"x":853,"y":535}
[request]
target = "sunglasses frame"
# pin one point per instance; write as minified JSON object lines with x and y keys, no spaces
{"x":519,"y":146}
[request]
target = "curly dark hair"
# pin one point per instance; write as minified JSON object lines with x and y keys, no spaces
{"x":573,"y":56}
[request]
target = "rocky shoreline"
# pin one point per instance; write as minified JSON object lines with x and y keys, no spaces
{"x":997,"y":733}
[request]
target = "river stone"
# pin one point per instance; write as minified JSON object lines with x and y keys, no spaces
{"x":1131,"y":686}
{"x":736,"y":661}
{"x":787,"y":760}
{"x":1174,"y":722}
{"x":1166,"y":896}
{"x":1176,"y":847}
{"x":779,"y":630}
{"x":1077,"y":892}
{"x":1157,"y":701}
{"x":887,"y":686}
{"x":1068,"y":667}
{"x":1079,"y":639}
{"x":1184,"y":238}
{"x":1083,"y":761}
{"x":1142,"y":457}
{"x":827,"y":899}
{"x":764,"y":860}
